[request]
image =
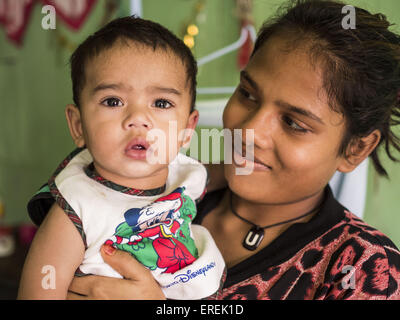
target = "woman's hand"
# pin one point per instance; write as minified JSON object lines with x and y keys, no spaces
{"x":138,"y":282}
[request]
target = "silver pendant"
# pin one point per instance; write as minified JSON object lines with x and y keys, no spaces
{"x":253,"y":238}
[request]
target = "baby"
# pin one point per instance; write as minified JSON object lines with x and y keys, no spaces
{"x":133,"y":81}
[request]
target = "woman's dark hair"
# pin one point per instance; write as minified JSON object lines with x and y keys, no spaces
{"x":361,"y":65}
{"x":141,"y":31}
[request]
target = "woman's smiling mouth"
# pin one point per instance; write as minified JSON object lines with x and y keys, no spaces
{"x":248,"y":160}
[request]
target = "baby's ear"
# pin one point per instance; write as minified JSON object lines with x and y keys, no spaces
{"x":73,"y":115}
{"x":358,"y":150}
{"x":190,"y":127}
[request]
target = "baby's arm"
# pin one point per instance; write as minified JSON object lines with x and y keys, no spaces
{"x":56,"y":252}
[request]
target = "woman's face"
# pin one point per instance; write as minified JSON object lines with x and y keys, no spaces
{"x":296,"y":134}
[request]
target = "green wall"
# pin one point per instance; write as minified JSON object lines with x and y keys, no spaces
{"x":35,"y":87}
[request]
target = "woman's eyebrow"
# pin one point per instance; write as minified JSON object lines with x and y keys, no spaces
{"x":245,"y":75}
{"x":299,"y":110}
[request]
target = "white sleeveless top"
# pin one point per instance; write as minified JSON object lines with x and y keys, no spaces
{"x":101,"y":209}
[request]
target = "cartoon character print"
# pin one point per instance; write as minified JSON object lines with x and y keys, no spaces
{"x":158,"y":235}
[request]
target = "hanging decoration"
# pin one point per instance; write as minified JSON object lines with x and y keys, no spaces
{"x":7,"y":241}
{"x":72,"y":12}
{"x":244,"y":11}
{"x":15,"y":14}
{"x":62,"y":41}
{"x":14,"y":17}
{"x":190,"y":27}
{"x":110,"y":8}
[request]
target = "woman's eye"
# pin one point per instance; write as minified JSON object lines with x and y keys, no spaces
{"x":293,"y":125}
{"x":112,"y":102}
{"x":162,"y":104}
{"x":243,"y":92}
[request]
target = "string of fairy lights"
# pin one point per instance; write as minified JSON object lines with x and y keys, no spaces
{"x":191,"y":26}
{"x":189,"y":32}
{"x":192,"y":31}
{"x":243,"y":12}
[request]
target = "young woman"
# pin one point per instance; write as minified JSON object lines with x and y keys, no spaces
{"x":319,"y":98}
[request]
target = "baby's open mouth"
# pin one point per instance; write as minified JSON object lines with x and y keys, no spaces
{"x":138,"y":147}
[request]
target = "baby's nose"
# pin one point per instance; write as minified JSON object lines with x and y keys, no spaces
{"x":136,"y":119}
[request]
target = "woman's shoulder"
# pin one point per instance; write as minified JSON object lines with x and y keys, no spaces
{"x":360,"y":239}
{"x":361,"y":262}
{"x":359,"y":228}
{"x":350,"y":260}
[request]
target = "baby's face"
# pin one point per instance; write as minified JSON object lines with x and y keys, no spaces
{"x":131,"y":91}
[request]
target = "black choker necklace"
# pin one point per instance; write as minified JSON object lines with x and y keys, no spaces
{"x":255,"y":235}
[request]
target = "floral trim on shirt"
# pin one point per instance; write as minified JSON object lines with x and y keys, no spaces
{"x":61,"y":201}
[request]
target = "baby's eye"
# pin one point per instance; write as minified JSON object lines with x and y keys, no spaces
{"x":243,"y":92}
{"x":112,"y":102}
{"x":293,"y":125}
{"x":162,"y":104}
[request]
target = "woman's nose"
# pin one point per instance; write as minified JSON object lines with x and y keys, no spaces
{"x":263,"y":124}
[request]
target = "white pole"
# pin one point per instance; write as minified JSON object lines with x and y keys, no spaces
{"x":136,"y":8}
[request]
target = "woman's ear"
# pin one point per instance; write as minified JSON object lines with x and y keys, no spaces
{"x":73,"y":115}
{"x":358,"y":150}
{"x":191,"y":125}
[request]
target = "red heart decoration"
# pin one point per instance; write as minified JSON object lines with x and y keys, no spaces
{"x":14,"y":15}
{"x":72,"y":12}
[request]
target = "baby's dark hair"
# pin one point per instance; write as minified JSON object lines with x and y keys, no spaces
{"x":361,"y":66}
{"x":140,"y":31}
